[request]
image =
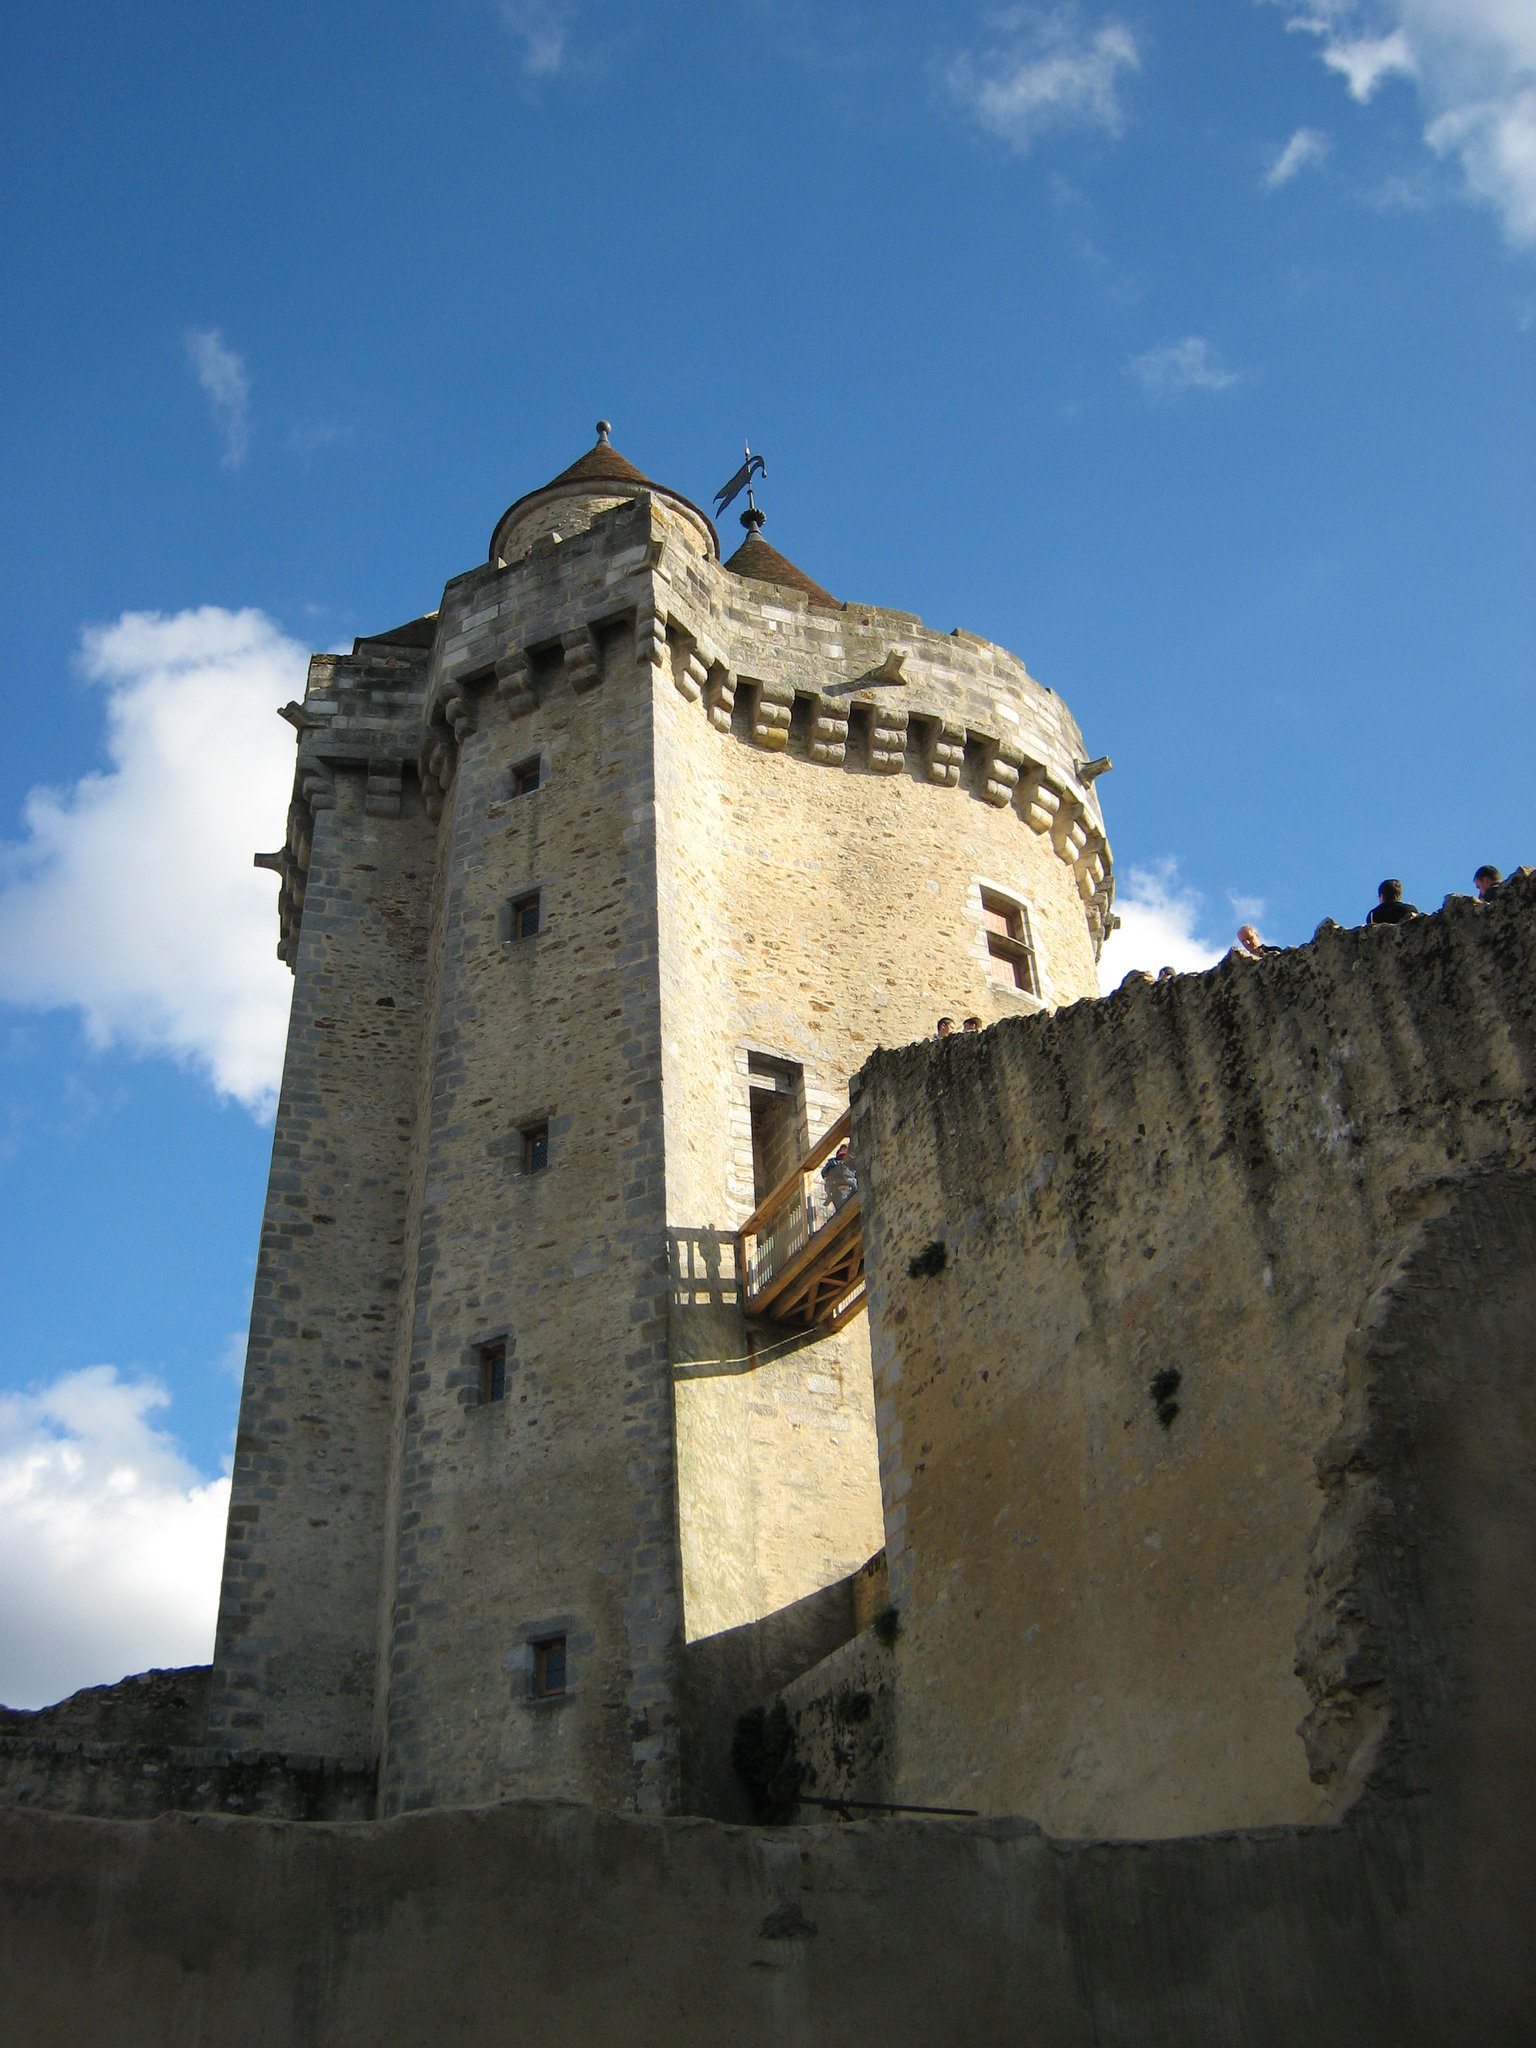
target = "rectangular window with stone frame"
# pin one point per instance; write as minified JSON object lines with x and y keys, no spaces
{"x":549,"y":1668}
{"x":493,"y":1370}
{"x":1010,"y":947}
{"x":520,"y":919}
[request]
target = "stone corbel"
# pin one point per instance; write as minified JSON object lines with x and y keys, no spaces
{"x":436,"y":764}
{"x":650,"y":635}
{"x":1038,"y":800}
{"x":771,"y":711}
{"x":457,"y":705}
{"x":1090,"y":869}
{"x":583,"y":666}
{"x":946,"y":753}
{"x":1003,"y":770}
{"x":382,"y":797}
{"x":690,"y":671}
{"x":514,"y":684}
{"x":887,"y":740}
{"x":1069,"y":833}
{"x":720,"y":696}
{"x":319,"y":787}
{"x":829,"y":732}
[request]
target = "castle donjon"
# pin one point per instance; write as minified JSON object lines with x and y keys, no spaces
{"x":599,"y":885}
{"x":757,"y":1519}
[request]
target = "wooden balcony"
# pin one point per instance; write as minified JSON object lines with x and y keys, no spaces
{"x":801,"y":1252}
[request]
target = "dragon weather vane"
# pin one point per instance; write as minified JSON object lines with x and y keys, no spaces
{"x":752,"y":519}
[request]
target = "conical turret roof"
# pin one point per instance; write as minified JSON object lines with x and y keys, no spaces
{"x":570,"y":501}
{"x":604,"y":464}
{"x":766,"y":565}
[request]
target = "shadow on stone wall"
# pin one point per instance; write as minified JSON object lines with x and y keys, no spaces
{"x":1412,"y":1922}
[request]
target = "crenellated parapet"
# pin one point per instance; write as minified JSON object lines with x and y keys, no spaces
{"x":361,"y":715}
{"x":860,"y":689}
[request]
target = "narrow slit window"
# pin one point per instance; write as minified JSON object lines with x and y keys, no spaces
{"x":535,"y":1148}
{"x":493,"y":1370}
{"x":549,"y":1668}
{"x":525,"y":916}
{"x":526,"y":777}
{"x":1010,"y":948}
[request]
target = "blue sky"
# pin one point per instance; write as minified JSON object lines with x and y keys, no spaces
{"x":1187,"y":350}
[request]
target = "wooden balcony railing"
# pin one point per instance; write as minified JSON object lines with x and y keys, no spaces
{"x":801,"y":1251}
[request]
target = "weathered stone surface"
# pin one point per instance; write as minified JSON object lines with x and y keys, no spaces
{"x":1136,"y":1561}
{"x":721,"y":871}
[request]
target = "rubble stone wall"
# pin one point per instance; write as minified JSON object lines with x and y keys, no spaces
{"x":1105,"y":1407}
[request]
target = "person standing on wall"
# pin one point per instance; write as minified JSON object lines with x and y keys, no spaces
{"x":1390,"y":907}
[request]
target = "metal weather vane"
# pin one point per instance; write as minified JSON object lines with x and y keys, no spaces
{"x":742,"y":481}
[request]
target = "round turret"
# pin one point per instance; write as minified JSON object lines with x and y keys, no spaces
{"x":568,"y":503}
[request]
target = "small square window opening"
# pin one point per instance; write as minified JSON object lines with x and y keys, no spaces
{"x":549,"y":1668}
{"x":525,"y":777}
{"x":535,"y":1148}
{"x":525,"y":917}
{"x":493,"y":1370}
{"x":1010,"y":948}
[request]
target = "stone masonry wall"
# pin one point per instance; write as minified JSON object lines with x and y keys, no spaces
{"x":758,"y":828}
{"x":295,"y":1647}
{"x":1104,"y":1423}
{"x":549,"y":1511}
{"x":809,"y":913}
{"x":1407,"y":1922}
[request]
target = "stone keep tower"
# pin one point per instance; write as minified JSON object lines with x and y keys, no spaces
{"x":599,"y":884}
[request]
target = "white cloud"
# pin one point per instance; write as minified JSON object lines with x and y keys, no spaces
{"x":543,"y":28}
{"x":132,"y":897}
{"x":223,"y":377}
{"x":1159,"y":927}
{"x":1364,"y":62}
{"x":1473,"y":65}
{"x":110,"y":1542}
{"x":1049,"y":70}
{"x":1187,"y":365}
{"x":1307,"y":148}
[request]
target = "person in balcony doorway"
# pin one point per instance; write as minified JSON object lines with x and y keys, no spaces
{"x":838,"y":1177}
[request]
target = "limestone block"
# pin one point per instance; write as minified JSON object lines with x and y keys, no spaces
{"x":888,"y":739}
{"x":1038,"y":800}
{"x":829,"y":733}
{"x":771,"y":714}
{"x":1091,"y":868}
{"x":720,"y":697}
{"x":689,"y":673}
{"x":439,"y":758}
{"x":1003,"y":770}
{"x":583,"y":668}
{"x":650,"y":635}
{"x":1069,"y":834}
{"x":514,"y":684}
{"x":946,"y":752}
{"x":382,"y":796}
